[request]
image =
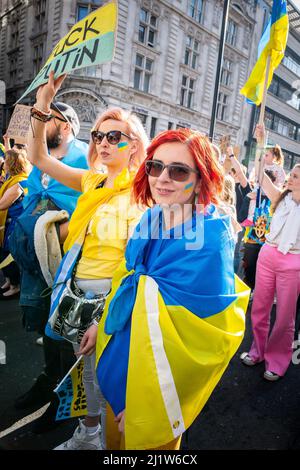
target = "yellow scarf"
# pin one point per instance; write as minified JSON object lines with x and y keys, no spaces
{"x":11,"y":181}
{"x":89,"y":202}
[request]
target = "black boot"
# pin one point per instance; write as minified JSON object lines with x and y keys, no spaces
{"x":40,"y":393}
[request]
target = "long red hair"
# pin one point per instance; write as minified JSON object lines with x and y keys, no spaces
{"x":201,"y":149}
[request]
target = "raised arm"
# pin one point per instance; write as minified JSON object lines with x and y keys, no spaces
{"x":37,"y":141}
{"x":237,"y":166}
{"x":10,"y":196}
{"x":269,"y":188}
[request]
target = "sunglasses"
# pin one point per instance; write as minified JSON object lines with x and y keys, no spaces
{"x":58,"y":118}
{"x":113,"y":137}
{"x":176,"y":171}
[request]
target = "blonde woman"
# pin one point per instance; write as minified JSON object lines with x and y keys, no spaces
{"x":101,"y":223}
{"x":16,"y":168}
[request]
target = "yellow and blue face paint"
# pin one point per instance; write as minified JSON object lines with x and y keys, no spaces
{"x":188,"y":188}
{"x":122,"y":146}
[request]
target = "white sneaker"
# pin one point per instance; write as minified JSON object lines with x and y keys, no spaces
{"x":271,"y":376}
{"x":246,"y":359}
{"x":81,"y":440}
{"x":40,"y":341}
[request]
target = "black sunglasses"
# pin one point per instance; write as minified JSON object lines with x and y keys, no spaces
{"x":59,"y":118}
{"x":113,"y":137}
{"x":176,"y":171}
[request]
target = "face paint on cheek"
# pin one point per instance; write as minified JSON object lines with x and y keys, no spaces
{"x":122,"y":146}
{"x":188,"y":188}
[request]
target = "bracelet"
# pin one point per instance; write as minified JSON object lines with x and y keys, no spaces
{"x":34,"y":113}
{"x":46,"y":113}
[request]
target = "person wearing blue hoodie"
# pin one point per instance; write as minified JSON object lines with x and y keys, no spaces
{"x":46,"y":194}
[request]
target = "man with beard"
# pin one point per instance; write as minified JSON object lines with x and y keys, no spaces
{"x":46,"y":194}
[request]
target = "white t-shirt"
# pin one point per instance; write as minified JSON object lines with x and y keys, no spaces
{"x":285,"y":226}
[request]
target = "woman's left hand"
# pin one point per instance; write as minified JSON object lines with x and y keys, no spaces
{"x":88,"y":342}
{"x":46,"y":93}
{"x":120,"y":418}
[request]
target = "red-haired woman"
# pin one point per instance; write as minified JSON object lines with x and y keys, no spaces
{"x":175,"y":315}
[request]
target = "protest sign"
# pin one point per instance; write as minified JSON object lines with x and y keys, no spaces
{"x":19,"y":123}
{"x":91,"y":41}
{"x":71,"y":393}
{"x":224,"y":142}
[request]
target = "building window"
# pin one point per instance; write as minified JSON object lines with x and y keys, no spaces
{"x":191,"y":52}
{"x":143,"y":117}
{"x":222,"y":106}
{"x":292,"y":62}
{"x":142,"y":73}
{"x":268,"y":120}
{"x":40,"y":14}
{"x":153,"y":127}
{"x":285,"y":92}
{"x":15,"y":31}
{"x":187,"y":91}
{"x":13,"y":68}
{"x":147,"y":28}
{"x":231,"y":33}
{"x":281,"y":125}
{"x":226,"y":72}
{"x":38,"y":51}
{"x":196,"y":9}
{"x":84,"y":8}
{"x":284,"y":127}
{"x":170,"y":125}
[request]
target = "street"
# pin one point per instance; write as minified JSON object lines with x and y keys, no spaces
{"x":245,"y":412}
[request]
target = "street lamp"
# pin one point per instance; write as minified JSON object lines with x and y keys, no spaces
{"x":219,"y":68}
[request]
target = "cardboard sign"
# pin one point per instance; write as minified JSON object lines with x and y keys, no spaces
{"x":19,"y":124}
{"x":224,"y":142}
{"x":91,"y":41}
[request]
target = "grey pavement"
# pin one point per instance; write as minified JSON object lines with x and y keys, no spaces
{"x":245,"y":412}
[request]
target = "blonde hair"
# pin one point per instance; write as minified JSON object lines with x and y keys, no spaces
{"x":228,"y":193}
{"x":16,"y":162}
{"x":277,"y":154}
{"x":285,"y":192}
{"x":135,"y":130}
{"x":217,"y":152}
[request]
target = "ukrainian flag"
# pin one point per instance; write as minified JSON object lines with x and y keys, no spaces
{"x":173,"y":320}
{"x":272,"y":43}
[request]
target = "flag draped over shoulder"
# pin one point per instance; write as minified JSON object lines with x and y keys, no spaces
{"x":9,"y":183}
{"x":87,"y":205}
{"x":184,"y":310}
{"x":272,"y":43}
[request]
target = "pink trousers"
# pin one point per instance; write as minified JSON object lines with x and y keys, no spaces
{"x":280,"y":274}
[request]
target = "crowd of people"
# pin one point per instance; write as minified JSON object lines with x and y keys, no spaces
{"x":141,"y":257}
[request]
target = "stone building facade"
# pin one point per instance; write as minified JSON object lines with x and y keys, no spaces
{"x":164,"y":65}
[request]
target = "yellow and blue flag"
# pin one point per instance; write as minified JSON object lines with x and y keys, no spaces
{"x":273,"y":44}
{"x":173,"y":320}
{"x":71,"y":393}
